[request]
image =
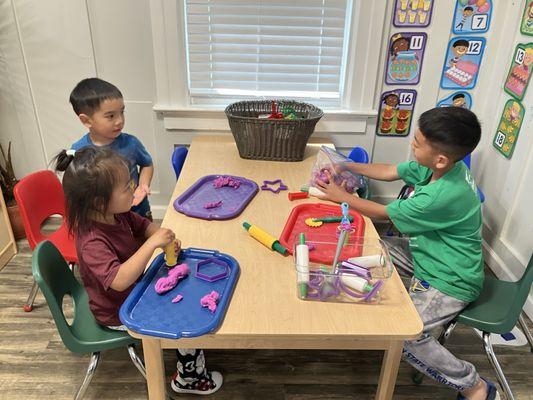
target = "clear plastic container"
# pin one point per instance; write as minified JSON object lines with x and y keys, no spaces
{"x":359,"y":277}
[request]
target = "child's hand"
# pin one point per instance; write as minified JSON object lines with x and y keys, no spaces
{"x":331,"y":190}
{"x":140,"y":193}
{"x":162,"y":237}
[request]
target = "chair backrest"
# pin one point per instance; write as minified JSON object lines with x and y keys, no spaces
{"x":38,"y":195}
{"x":358,"y":154}
{"x":524,"y":287}
{"x":466,"y":160}
{"x":56,"y":280}
{"x":178,"y":159}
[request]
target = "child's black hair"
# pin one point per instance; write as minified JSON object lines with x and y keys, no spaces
{"x":458,"y":96}
{"x":468,"y":8}
{"x":455,"y":131}
{"x":89,"y":93}
{"x":460,"y":42}
{"x":90,"y":176}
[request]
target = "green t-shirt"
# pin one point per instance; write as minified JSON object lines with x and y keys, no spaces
{"x":443,"y":220}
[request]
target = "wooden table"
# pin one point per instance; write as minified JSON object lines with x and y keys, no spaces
{"x":265,"y":312}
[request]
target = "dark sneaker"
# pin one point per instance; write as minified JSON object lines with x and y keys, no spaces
{"x":210,"y":383}
{"x":492,"y":392}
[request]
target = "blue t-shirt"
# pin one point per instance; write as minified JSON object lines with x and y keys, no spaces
{"x":127,"y":145}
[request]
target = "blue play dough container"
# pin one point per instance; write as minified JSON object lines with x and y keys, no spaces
{"x":149,"y":313}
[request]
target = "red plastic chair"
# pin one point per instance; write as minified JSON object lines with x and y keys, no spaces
{"x":39,"y":196}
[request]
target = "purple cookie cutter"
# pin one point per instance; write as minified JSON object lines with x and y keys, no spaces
{"x":322,"y":286}
{"x":223,"y":270}
{"x":267,"y":185}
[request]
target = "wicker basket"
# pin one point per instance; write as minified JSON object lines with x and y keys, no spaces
{"x":272,"y":139}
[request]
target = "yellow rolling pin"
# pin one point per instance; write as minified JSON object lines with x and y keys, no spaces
{"x":261,"y":236}
{"x":170,"y":254}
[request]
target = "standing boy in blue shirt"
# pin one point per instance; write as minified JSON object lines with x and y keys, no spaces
{"x":100,"y":107}
{"x":443,"y":220}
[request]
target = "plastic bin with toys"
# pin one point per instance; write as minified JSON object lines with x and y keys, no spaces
{"x":358,"y":273}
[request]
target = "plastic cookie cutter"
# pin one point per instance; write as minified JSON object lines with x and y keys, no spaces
{"x":316,"y":222}
{"x":321,"y":286}
{"x":213,"y":269}
{"x":267,"y":185}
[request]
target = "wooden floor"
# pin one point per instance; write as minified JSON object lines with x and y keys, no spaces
{"x":34,"y":364}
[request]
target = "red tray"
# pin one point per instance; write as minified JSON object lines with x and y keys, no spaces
{"x":323,"y":253}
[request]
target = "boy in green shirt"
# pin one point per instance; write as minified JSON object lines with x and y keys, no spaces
{"x":443,"y":220}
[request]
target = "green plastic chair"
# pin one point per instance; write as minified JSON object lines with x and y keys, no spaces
{"x":497,"y":310}
{"x":84,"y":335}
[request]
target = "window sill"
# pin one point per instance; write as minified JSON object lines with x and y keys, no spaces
{"x":214,"y":119}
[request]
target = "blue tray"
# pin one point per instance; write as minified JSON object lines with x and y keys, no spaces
{"x":149,"y":313}
{"x":234,"y":201}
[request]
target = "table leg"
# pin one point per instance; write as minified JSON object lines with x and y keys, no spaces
{"x":155,"y":369}
{"x":389,"y":370}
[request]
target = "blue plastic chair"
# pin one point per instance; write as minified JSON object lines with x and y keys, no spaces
{"x":466,"y":160}
{"x":359,"y":155}
{"x":178,"y":159}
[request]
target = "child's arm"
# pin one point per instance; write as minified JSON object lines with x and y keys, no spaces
{"x":145,"y":178}
{"x":130,"y":270}
{"x":381,"y":172}
{"x":336,"y":193}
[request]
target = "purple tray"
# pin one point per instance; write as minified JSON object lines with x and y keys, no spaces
{"x":192,"y":201}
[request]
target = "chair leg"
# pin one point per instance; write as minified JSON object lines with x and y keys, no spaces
{"x":526,"y":331}
{"x":445,"y":334}
{"x":496,"y":365}
{"x":28,"y":306}
{"x":95,"y":358}
{"x":136,"y":360}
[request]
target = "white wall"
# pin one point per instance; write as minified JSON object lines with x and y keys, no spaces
{"x":47,"y":47}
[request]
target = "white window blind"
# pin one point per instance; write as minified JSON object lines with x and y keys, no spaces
{"x":277,"y":48}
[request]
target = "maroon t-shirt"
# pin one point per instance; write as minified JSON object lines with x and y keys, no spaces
{"x":101,"y":251}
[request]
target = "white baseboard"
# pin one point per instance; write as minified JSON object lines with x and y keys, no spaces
{"x":158,"y":212}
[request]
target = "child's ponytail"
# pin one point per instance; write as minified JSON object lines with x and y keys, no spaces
{"x":63,"y":159}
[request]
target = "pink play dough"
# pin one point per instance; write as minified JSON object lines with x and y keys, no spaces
{"x":210,"y":301}
{"x":168,"y":282}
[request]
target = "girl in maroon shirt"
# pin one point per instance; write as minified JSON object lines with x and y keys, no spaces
{"x":114,"y":245}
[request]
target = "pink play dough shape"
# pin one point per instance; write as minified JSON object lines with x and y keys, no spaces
{"x":167,"y":283}
{"x":210,"y":301}
{"x":177,"y":298}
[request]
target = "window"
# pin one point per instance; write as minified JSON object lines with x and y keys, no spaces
{"x":240,"y":49}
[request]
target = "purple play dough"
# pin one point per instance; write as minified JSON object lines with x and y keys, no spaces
{"x":213,"y":204}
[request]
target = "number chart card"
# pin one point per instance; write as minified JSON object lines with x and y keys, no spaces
{"x":471,"y":16}
{"x":405,"y":56}
{"x":520,"y":71}
{"x":526,"y":27}
{"x":412,"y":13}
{"x":508,"y":128}
{"x":396,"y":112}
{"x":462,"y":62}
{"x":457,"y":99}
